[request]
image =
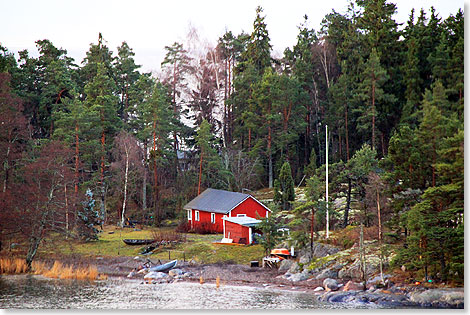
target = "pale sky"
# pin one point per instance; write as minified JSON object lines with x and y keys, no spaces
{"x":148,"y":26}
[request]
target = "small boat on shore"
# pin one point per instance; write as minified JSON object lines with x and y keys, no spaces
{"x":161,"y":268}
{"x":165,"y":267}
{"x":138,"y":241}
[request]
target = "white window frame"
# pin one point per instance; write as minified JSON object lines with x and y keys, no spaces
{"x":190,"y":215}
{"x":213,"y":217}
{"x":196,"y":215}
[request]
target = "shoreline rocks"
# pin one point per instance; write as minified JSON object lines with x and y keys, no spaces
{"x":431,"y":298}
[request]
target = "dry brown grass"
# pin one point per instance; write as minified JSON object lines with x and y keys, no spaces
{"x":169,"y":236}
{"x":12,"y":266}
{"x":39,"y":267}
{"x":58,"y":270}
{"x":61,"y":271}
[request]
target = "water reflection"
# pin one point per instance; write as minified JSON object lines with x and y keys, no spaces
{"x":37,"y":292}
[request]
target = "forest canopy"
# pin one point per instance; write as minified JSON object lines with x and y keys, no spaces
{"x":96,"y":141}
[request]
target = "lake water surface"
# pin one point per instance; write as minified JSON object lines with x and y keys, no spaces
{"x":35,"y":292}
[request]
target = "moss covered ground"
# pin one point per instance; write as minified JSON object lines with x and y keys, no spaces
{"x":197,"y":247}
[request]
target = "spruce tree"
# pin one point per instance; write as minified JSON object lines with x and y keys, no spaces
{"x":286,"y":185}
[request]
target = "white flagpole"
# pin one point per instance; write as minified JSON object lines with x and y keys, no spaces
{"x":326,"y":199}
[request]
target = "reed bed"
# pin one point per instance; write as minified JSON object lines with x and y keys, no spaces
{"x":12,"y":266}
{"x":58,"y":270}
{"x":61,"y":271}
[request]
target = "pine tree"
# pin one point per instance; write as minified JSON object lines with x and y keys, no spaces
{"x":372,"y":94}
{"x":101,"y":100}
{"x":254,"y":60}
{"x":126,"y":78}
{"x":176,"y":65}
{"x":286,"y":186}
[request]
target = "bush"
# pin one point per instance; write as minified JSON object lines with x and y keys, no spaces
{"x":347,"y":237}
{"x":183,"y":227}
{"x":169,"y":236}
{"x":204,"y":228}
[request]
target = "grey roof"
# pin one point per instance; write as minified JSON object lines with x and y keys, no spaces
{"x":219,"y":201}
{"x":245,"y":221}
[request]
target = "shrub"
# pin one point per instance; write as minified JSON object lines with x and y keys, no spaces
{"x":204,"y":228}
{"x":350,"y":235}
{"x":169,"y":236}
{"x":183,"y":227}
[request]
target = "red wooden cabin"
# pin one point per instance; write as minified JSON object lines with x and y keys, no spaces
{"x":209,"y":207}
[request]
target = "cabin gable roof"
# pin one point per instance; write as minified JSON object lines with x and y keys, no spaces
{"x":218,"y":201}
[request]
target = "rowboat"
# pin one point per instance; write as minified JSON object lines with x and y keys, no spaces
{"x":164,"y":267}
{"x":138,"y":241}
{"x":161,"y":268}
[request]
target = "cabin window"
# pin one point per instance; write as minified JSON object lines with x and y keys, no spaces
{"x":189,"y":215}
{"x":241,"y":215}
{"x":196,"y":214}
{"x":213,"y":217}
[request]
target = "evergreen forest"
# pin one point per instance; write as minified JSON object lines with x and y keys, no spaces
{"x":97,"y":141}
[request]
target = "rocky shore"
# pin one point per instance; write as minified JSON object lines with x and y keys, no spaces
{"x":332,"y":290}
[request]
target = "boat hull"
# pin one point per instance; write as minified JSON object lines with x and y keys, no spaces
{"x":165,"y":267}
{"x":138,"y":241}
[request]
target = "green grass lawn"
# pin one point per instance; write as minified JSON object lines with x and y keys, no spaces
{"x":200,"y":248}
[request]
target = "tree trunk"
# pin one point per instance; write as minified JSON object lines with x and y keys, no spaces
{"x":175,"y":139}
{"x":66,"y":212}
{"x":144,"y":184}
{"x":155,"y":175}
{"x":346,"y":129}
{"x":225,"y":120}
{"x":270,"y":157}
{"x":362,"y":257}
{"x":34,"y":242}
{"x":378,"y":216}
{"x":312,"y":223}
{"x":6,"y":167}
{"x":103,"y":212}
{"x":340,"y":145}
{"x":77,"y":157}
{"x":249,"y":138}
{"x":126,"y":173}
{"x":373,"y":114}
{"x":200,"y":175}
{"x":348,"y":204}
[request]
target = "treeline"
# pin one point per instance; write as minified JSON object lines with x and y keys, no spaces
{"x":230,"y":115}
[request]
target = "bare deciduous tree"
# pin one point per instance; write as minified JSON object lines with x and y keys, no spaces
{"x":128,"y":159}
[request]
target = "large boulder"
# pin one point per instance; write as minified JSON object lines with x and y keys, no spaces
{"x":330,"y":284}
{"x":157,"y":277}
{"x":285,"y":265}
{"x":294,"y":268}
{"x":327,"y":273}
{"x":301,"y":276}
{"x":175,"y":272}
{"x":349,"y":272}
{"x":439,"y":297}
{"x":353,"y":271}
{"x":353,"y":286}
{"x":322,"y":250}
{"x":305,"y":258}
{"x":318,"y":250}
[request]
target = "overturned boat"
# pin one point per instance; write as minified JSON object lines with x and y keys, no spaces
{"x":138,"y":241}
{"x":161,"y":268}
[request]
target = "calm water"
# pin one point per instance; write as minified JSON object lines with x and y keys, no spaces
{"x":19,"y":292}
